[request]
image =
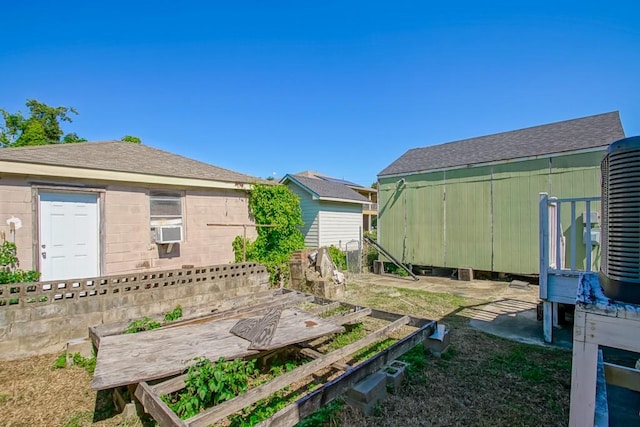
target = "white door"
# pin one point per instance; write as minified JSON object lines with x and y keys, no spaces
{"x":69,"y":227}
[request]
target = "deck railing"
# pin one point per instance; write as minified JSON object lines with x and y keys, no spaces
{"x":566,"y":252}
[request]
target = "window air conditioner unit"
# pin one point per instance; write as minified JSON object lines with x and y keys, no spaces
{"x":168,"y":234}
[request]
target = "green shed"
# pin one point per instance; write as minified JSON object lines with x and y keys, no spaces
{"x":474,"y":203}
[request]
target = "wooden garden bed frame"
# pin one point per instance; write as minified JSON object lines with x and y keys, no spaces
{"x":149,"y":395}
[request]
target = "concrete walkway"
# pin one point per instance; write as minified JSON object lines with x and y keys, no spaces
{"x":509,"y":310}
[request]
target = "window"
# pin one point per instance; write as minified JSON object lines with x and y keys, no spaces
{"x":165,"y":209}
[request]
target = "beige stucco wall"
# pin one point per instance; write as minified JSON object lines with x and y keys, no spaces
{"x":128,"y":245}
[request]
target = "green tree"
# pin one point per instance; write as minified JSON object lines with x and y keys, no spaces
{"x":41,"y":127}
{"x":279,"y":208}
{"x":132,"y":139}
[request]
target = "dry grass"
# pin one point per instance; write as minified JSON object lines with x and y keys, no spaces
{"x":481,"y":381}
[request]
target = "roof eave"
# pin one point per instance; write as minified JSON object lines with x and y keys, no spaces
{"x":23,"y":168}
{"x":497,"y":162}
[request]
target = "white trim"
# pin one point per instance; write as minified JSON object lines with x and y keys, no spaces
{"x":333,"y":199}
{"x":104,"y":175}
{"x":498,"y":162}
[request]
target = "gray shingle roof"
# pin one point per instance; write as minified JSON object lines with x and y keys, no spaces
{"x":122,"y":157}
{"x":570,"y":135}
{"x":327,"y":189}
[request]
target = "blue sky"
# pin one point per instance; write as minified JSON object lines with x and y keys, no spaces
{"x":341,"y":87}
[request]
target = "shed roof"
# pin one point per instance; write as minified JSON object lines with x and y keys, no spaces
{"x":121,"y":157}
{"x":566,"y":136}
{"x":326,"y":189}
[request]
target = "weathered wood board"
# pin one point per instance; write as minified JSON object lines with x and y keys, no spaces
{"x":131,"y":358}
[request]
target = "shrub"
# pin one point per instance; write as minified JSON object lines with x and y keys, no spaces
{"x":9,"y":271}
{"x":338,"y":257}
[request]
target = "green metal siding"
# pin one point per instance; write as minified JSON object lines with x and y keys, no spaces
{"x":468,"y":218}
{"x":516,"y":189}
{"x":484,"y":217}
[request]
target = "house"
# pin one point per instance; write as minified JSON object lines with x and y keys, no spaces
{"x":474,"y":203}
{"x":369,"y":210}
{"x":331,"y":211}
{"x":102,"y":208}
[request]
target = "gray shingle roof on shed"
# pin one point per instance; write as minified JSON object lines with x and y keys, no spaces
{"x":567,"y":136}
{"x":122,"y":157}
{"x":327,"y":189}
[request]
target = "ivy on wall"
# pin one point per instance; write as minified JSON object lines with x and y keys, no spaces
{"x":279,"y":208}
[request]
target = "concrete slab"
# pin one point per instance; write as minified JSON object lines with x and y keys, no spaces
{"x":509,"y":311}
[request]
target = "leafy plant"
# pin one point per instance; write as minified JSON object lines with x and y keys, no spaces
{"x":279,"y":208}
{"x":88,"y":363}
{"x":338,"y":257}
{"x":9,"y":271}
{"x":326,"y":415}
{"x":139,"y":325}
{"x":392,"y":268}
{"x":208,"y":384}
{"x":61,"y":362}
{"x":174,"y":314}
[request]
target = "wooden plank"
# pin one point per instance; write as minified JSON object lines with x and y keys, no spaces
{"x":231,"y":406}
{"x":309,"y":352}
{"x":286,"y":300}
{"x":324,"y":308}
{"x":244,"y":327}
{"x":239,"y":306}
{"x":622,"y":376}
{"x":292,"y":414}
{"x":583,"y":384}
{"x":344,"y":319}
{"x":156,"y":407}
{"x":161,"y":353}
{"x":547,"y":321}
{"x":262,"y":333}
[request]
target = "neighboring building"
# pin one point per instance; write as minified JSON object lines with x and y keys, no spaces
{"x":474,"y":203}
{"x":101,"y":208}
{"x":369,"y":210}
{"x":331,"y":212}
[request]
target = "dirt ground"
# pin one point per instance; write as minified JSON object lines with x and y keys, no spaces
{"x":482,"y":380}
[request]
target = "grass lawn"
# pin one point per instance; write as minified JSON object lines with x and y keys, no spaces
{"x":481,"y":381}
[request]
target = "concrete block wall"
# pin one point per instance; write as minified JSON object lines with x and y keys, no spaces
{"x":128,"y":245}
{"x":15,"y":200}
{"x":39,"y":318}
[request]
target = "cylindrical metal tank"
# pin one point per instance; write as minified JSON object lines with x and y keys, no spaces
{"x":620,"y":257}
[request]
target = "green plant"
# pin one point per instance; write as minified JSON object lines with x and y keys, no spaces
{"x":338,"y":257}
{"x":326,"y":415}
{"x":88,"y":363}
{"x":208,"y":384}
{"x":174,"y":314}
{"x":139,"y":325}
{"x":416,"y":363}
{"x":394,"y":269}
{"x":61,"y":362}
{"x":9,"y":271}
{"x":278,"y":208}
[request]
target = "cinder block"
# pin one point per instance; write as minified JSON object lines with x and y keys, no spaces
{"x":465,"y":274}
{"x":395,"y":372}
{"x":373,"y":387}
{"x":368,"y":393}
{"x":79,"y":345}
{"x":439,"y":341}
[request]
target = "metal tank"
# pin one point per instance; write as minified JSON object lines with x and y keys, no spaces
{"x":620,"y":258}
